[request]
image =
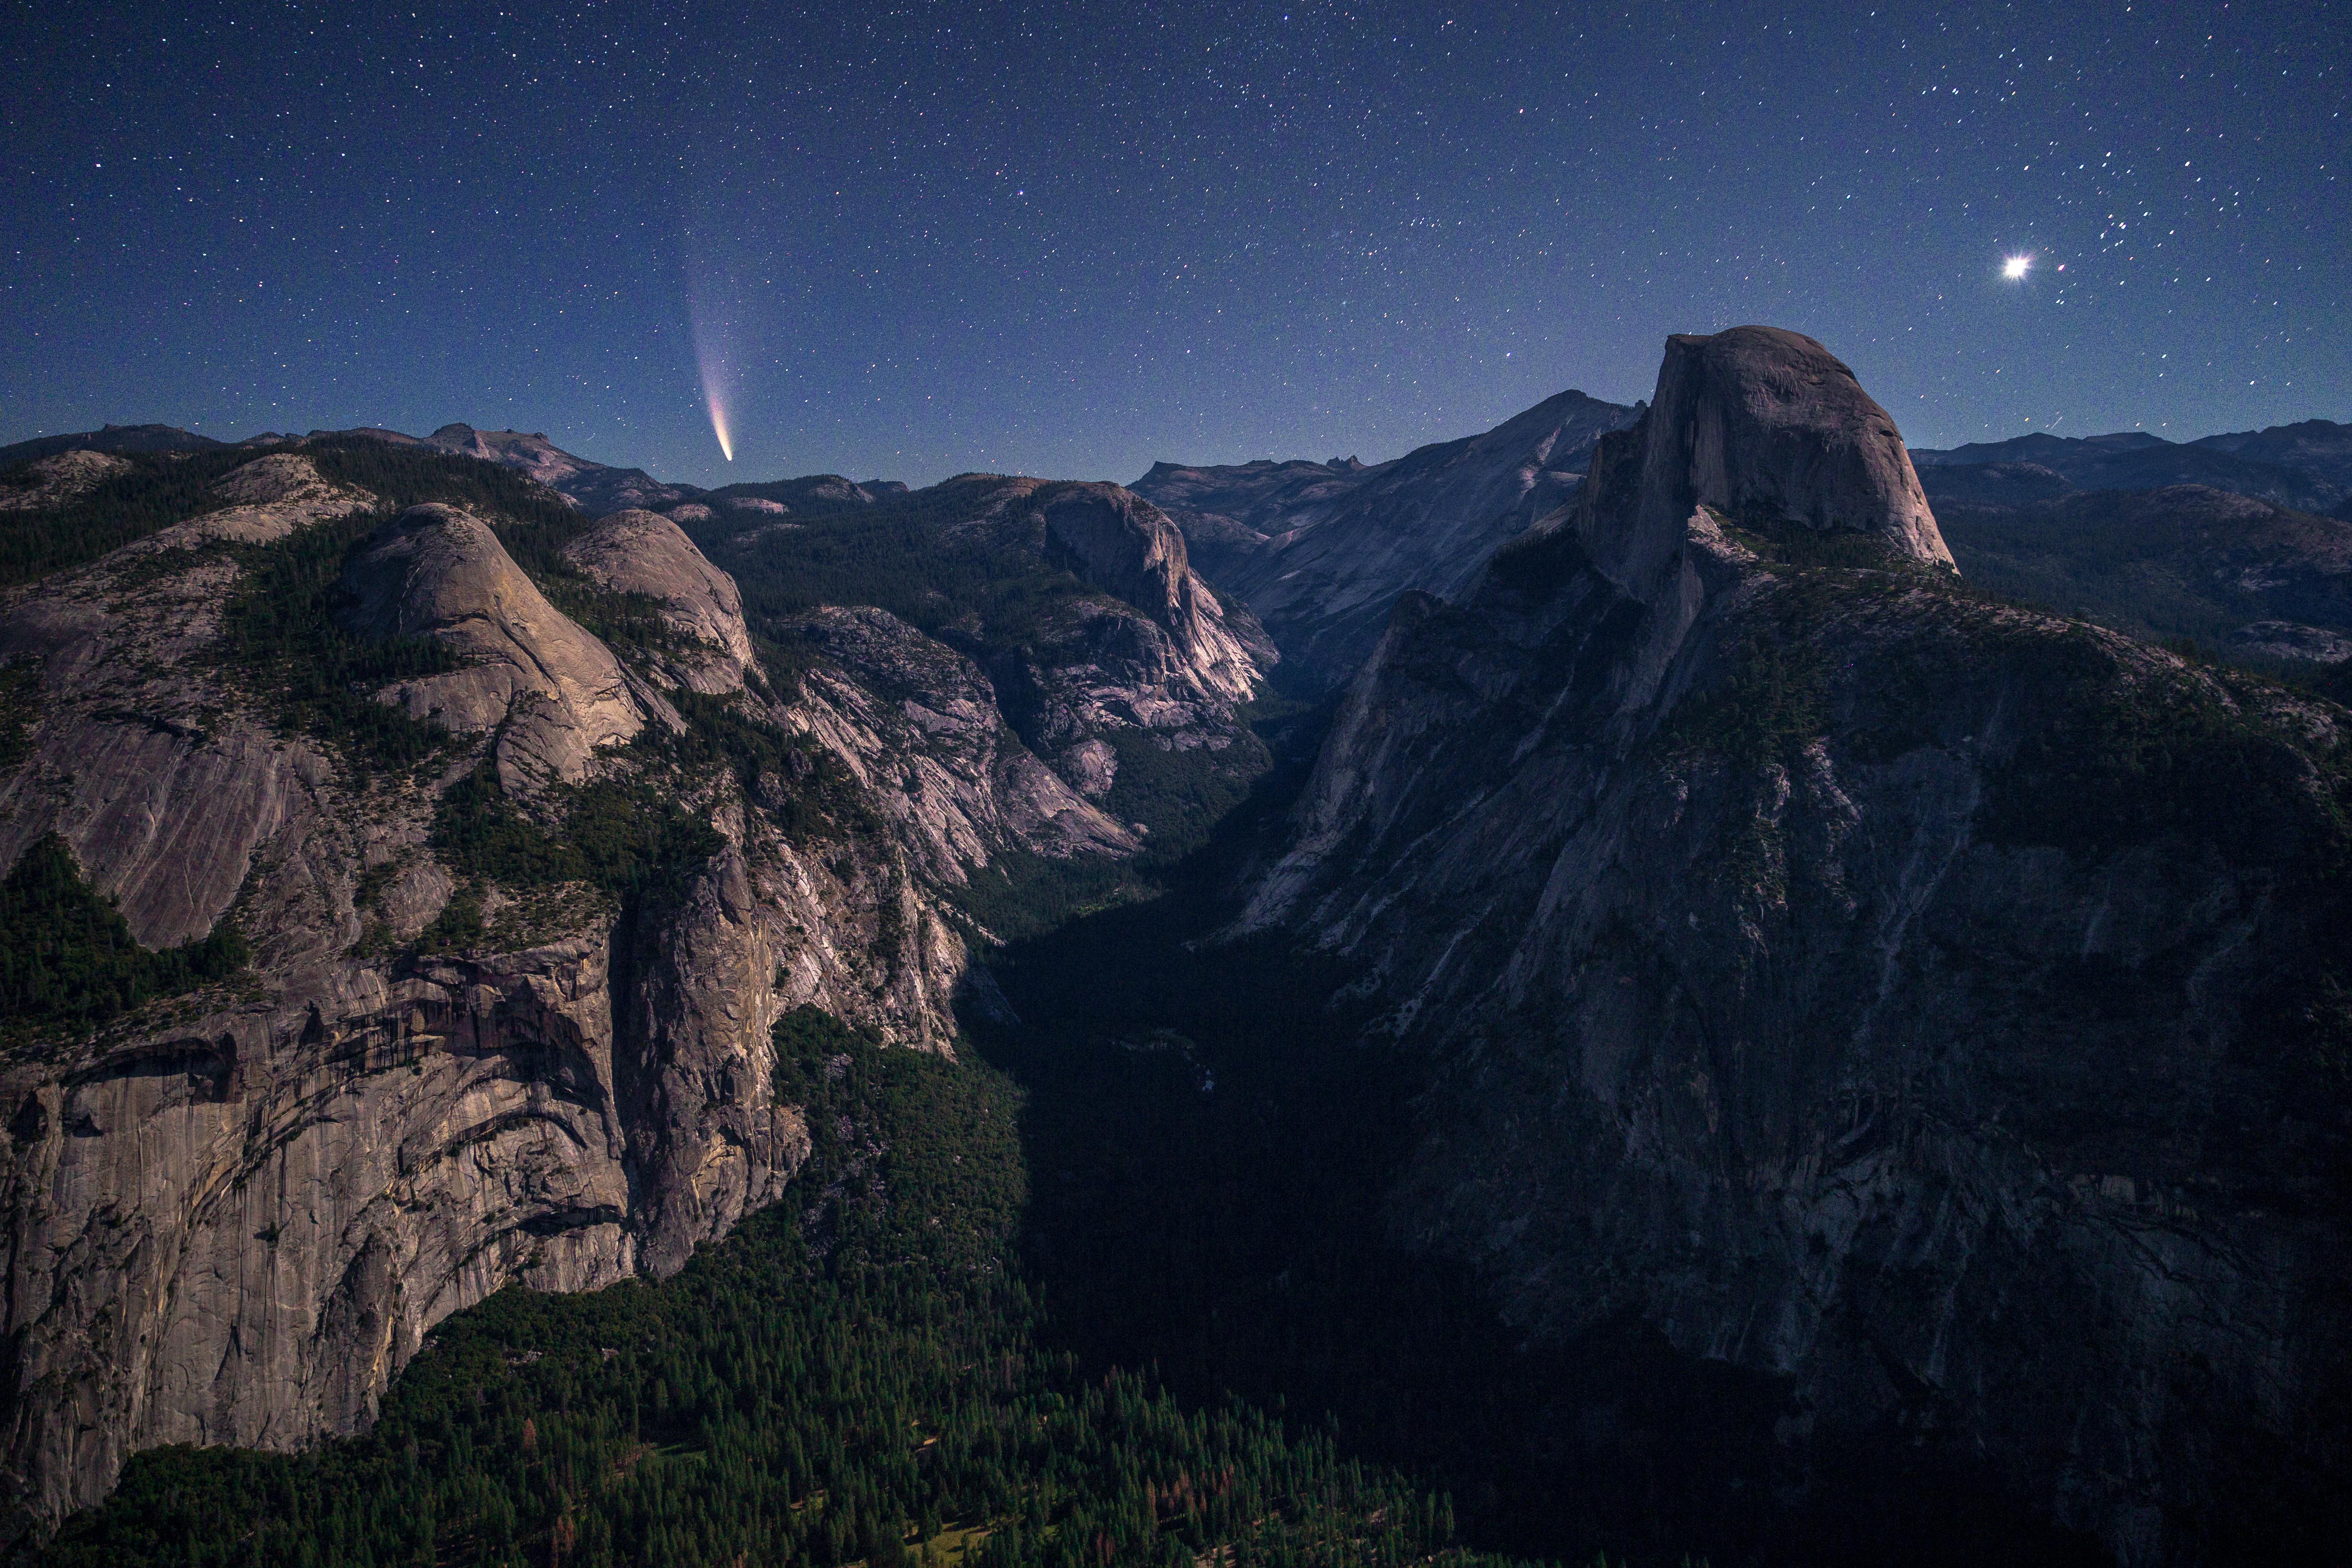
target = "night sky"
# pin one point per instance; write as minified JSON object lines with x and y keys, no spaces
{"x":1070,"y":239}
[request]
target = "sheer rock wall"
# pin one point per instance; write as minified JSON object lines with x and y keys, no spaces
{"x":1807,"y":971}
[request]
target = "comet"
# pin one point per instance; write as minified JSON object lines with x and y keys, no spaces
{"x":711,"y":359}
{"x":717,"y":418}
{"x":713,"y":328}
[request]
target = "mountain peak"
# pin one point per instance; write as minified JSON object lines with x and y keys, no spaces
{"x":1752,"y":423}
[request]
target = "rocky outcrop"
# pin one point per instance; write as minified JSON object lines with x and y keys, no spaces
{"x":1760,"y":424}
{"x":236,"y":1232}
{"x":1908,"y":997}
{"x":531,"y":453}
{"x":1320,"y":551}
{"x":555,"y":694}
{"x":55,"y":481}
{"x":2289,"y":640}
{"x":161,"y":783}
{"x":1152,"y":657}
{"x":265,"y":500}
{"x":1094,"y":642}
{"x":232,"y":1216}
{"x":596,"y":488}
{"x":920,"y":722}
{"x":1121,"y":542}
{"x":644,"y":552}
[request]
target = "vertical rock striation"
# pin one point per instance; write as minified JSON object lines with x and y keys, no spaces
{"x":642,"y":553}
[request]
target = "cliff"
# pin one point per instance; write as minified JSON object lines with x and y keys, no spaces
{"x":1076,"y":606}
{"x":520,"y":851}
{"x":1918,"y":1000}
{"x":1320,"y":551}
{"x":554,"y":694}
{"x":646,"y":554}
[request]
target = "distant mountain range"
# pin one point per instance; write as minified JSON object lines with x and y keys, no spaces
{"x":596,"y":488}
{"x":1320,"y":551}
{"x":2307,"y":466}
{"x":2241,"y":542}
{"x":1744,"y":1033}
{"x":2237,"y":541}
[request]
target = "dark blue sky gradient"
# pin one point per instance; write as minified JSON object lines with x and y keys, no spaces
{"x":1072,"y":239}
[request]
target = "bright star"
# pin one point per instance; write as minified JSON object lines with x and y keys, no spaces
{"x":2016,"y":266}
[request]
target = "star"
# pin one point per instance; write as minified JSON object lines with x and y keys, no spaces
{"x":2016,"y":266}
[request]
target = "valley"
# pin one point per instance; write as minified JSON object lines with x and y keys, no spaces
{"x":1656,"y":981}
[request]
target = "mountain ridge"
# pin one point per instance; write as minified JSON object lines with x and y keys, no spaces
{"x":530,"y":835}
{"x":1319,"y":550}
{"x":1801,"y":945}
{"x":2306,"y":465}
{"x":1915,"y":1006}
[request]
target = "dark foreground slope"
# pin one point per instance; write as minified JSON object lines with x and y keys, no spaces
{"x":1932,"y":1007}
{"x":864,"y":1374}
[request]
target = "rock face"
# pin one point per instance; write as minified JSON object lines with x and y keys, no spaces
{"x":533,"y":453}
{"x":555,"y":693}
{"x":1112,"y":647}
{"x":1123,"y":543}
{"x":1152,"y":657}
{"x":232,"y":1216}
{"x":270,"y":497}
{"x":1756,"y":423}
{"x":1318,"y":551}
{"x":57,"y":480}
{"x":2288,"y":639}
{"x":596,"y":488}
{"x":907,"y":707}
{"x":645,"y":553}
{"x":1910,"y":997}
{"x":231,"y":1219}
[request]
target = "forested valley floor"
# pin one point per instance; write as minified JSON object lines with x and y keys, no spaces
{"x":1115,"y":1288}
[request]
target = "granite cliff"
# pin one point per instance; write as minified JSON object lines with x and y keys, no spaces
{"x":1108,"y":657}
{"x":524,"y":839}
{"x":1931,"y":1005}
{"x":1318,"y":551}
